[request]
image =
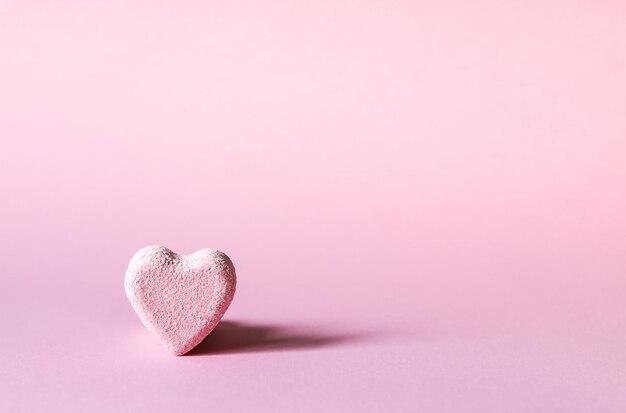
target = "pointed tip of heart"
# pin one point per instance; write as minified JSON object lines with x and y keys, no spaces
{"x":181,"y":298}
{"x":180,"y":349}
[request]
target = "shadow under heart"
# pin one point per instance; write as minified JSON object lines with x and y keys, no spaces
{"x":238,"y":337}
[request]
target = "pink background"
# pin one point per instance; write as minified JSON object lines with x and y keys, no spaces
{"x":424,"y":201}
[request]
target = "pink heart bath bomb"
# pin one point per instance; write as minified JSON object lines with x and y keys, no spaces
{"x":180,"y":298}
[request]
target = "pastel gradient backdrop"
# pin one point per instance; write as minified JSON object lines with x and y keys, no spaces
{"x":425,"y":202}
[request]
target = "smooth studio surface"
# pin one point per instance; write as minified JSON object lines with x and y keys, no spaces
{"x":424,"y":202}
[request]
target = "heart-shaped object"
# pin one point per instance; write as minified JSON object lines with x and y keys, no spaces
{"x":180,"y":298}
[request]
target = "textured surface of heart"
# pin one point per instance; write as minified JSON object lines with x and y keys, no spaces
{"x":180,"y":298}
